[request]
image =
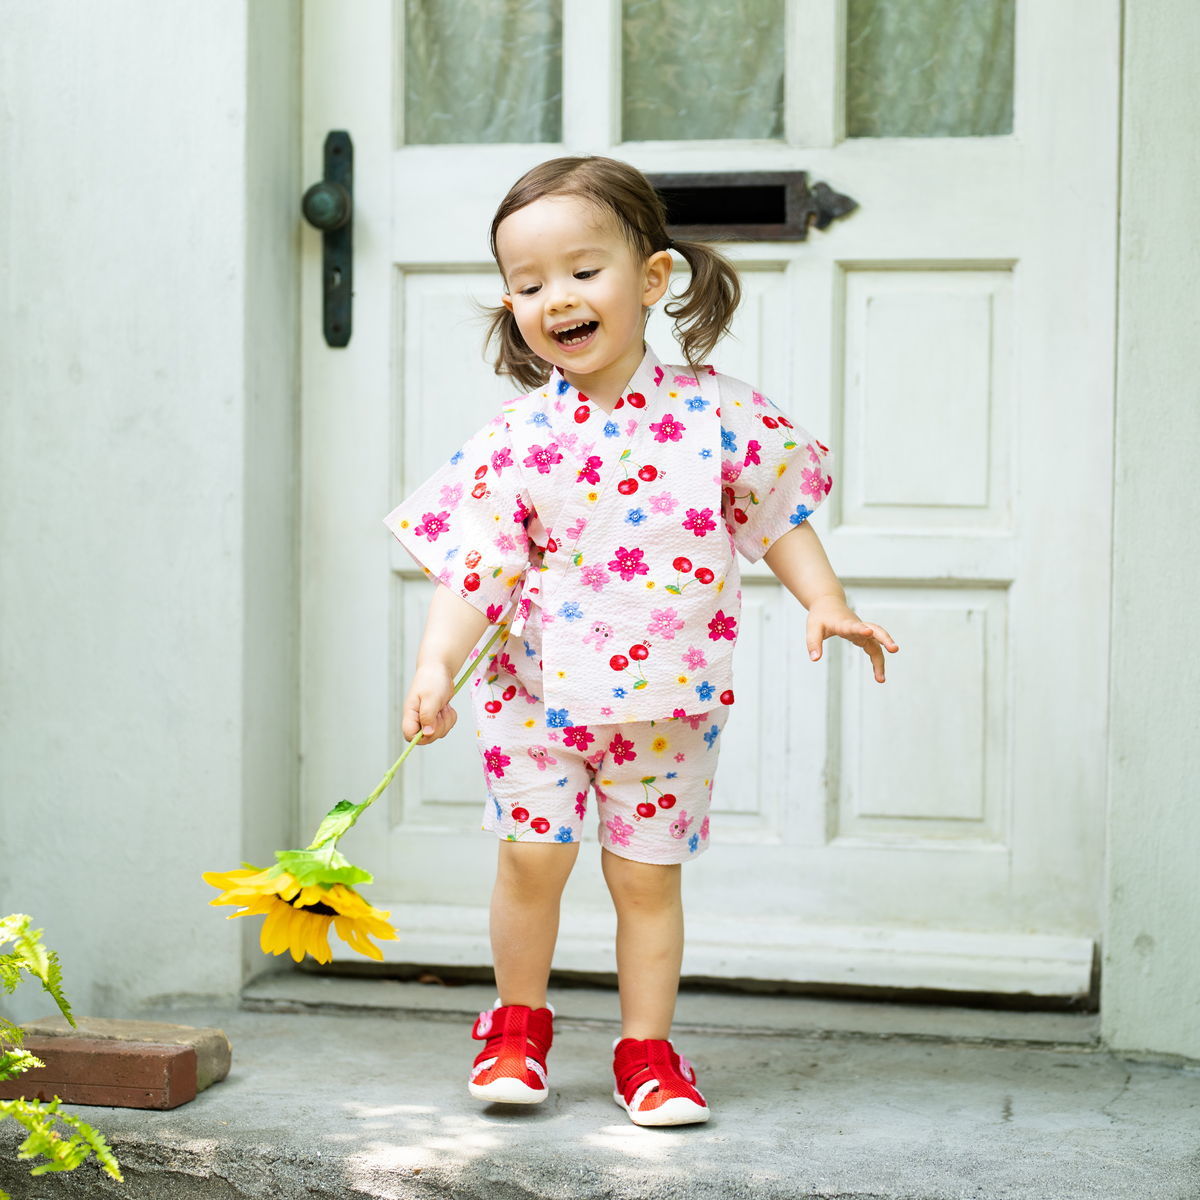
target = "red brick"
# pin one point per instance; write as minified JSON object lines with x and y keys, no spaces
{"x":106,"y":1072}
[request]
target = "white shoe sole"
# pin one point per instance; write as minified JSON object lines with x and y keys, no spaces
{"x":508,"y":1091}
{"x":679,"y":1110}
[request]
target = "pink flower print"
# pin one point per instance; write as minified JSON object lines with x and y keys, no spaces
{"x":700,"y":523}
{"x":521,"y":513}
{"x":693,"y":721}
{"x":501,"y":663}
{"x":451,"y":495}
{"x":444,"y":576}
{"x":621,"y":749}
{"x":568,"y":439}
{"x":813,"y":481}
{"x":663,"y":623}
{"x":593,"y":577}
{"x":575,"y":532}
{"x":495,"y":760}
{"x":703,"y":829}
{"x":729,"y":471}
{"x":668,"y":429}
{"x":758,"y":399}
{"x":505,"y":544}
{"x":434,"y":524}
{"x":606,"y":712}
{"x":494,"y":613}
{"x":578,"y":735}
{"x":722,"y":626}
{"x":664,"y":502}
{"x":589,"y":473}
{"x":501,"y":459}
{"x":681,"y":757}
{"x":686,"y":381}
{"x":628,"y":563}
{"x":752,"y":449}
{"x":618,"y":831}
{"x":693,"y":659}
{"x":658,"y":376}
{"x":543,"y":457}
{"x":581,"y":807}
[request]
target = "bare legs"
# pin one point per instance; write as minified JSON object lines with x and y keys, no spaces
{"x":525,"y":906}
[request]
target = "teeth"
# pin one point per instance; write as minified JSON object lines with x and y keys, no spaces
{"x":575,"y":333}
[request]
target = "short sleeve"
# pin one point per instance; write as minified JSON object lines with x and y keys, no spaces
{"x":773,"y":473}
{"x":466,"y":524}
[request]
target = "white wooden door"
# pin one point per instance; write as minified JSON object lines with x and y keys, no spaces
{"x":951,"y":340}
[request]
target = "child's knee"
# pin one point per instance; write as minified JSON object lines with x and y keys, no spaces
{"x":641,"y":885}
{"x":536,"y":866}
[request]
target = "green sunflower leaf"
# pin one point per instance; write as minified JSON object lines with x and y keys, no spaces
{"x":335,"y":822}
{"x":324,"y":866}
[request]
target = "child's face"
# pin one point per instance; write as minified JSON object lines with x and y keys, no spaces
{"x":579,"y":291}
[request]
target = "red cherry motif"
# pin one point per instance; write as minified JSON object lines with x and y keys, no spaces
{"x":471,"y":582}
{"x":492,"y":706}
{"x":786,"y":423}
{"x":739,"y":515}
{"x":520,"y":815}
{"x":539,"y":825}
{"x":770,"y":422}
{"x":480,"y":472}
{"x":627,"y":487}
{"x":619,"y":404}
{"x":472,"y":559}
{"x":509,"y":692}
{"x":618,"y":662}
{"x":727,"y":696}
{"x":682,"y":564}
{"x":666,"y":800}
{"x":639,"y":652}
{"x":581,"y":414}
{"x":646,"y":809}
{"x":551,"y":545}
{"x":479,"y":491}
{"x":704,"y":575}
{"x":648,"y":474}
{"x":637,"y":399}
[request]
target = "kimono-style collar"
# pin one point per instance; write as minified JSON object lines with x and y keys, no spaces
{"x":646,"y":382}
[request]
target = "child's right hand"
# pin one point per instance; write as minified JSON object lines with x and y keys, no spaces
{"x":427,"y":705}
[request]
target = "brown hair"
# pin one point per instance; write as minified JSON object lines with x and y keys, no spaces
{"x":703,"y":312}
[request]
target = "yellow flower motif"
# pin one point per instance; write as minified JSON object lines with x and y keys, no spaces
{"x":298,"y":918}
{"x":721,"y":586}
{"x":530,"y":723}
{"x":593,"y":496}
{"x":562,"y":674}
{"x":650,"y":584}
{"x":682,"y":679}
{"x":779,"y":470}
{"x":404,"y":524}
{"x":660,"y":743}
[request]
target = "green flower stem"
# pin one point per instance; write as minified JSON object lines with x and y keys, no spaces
{"x":350,"y":815}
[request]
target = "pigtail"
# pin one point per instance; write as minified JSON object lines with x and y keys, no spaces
{"x":704,"y":311}
{"x":513,"y":356}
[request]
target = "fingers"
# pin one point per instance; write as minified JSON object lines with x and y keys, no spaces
{"x":873,"y":639}
{"x":422,"y":713}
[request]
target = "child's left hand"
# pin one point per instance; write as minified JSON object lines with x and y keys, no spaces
{"x":833,"y":618}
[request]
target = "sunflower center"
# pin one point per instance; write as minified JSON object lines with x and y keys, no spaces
{"x":321,"y":909}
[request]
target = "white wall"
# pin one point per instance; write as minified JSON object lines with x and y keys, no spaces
{"x":147,"y":392}
{"x":1150,"y":990}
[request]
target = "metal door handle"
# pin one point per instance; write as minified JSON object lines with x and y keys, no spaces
{"x":329,"y":206}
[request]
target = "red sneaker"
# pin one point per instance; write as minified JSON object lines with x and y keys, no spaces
{"x":654,"y":1085}
{"x":511,"y":1068}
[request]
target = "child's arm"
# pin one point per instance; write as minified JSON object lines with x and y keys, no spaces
{"x":451,"y":629}
{"x":798,"y":561}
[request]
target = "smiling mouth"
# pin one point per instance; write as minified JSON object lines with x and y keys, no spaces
{"x":575,"y":334}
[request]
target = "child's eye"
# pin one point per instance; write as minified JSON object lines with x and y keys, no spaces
{"x":530,"y":290}
{"x":585,"y":274}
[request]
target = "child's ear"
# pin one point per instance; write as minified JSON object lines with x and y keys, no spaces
{"x":506,"y":300}
{"x":658,"y":275}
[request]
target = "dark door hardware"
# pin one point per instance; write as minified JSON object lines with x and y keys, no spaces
{"x":758,"y":206}
{"x":329,"y":207}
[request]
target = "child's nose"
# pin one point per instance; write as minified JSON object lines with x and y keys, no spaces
{"x":560,"y":297}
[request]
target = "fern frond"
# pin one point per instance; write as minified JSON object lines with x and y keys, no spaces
{"x":45,"y":1141}
{"x":10,"y":1034}
{"x":17,"y":1062}
{"x":96,"y":1144}
{"x":31,"y":955}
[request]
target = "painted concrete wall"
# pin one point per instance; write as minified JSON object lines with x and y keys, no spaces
{"x":147,"y":596}
{"x":1150,"y":991}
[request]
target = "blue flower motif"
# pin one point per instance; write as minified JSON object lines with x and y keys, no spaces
{"x":611,"y":429}
{"x":706,"y":453}
{"x":672,"y":774}
{"x":705,"y":691}
{"x":728,"y":440}
{"x":619,"y":693}
{"x":696,"y":404}
{"x":530,"y":652}
{"x":452,"y":552}
{"x":562,"y":386}
{"x":802,"y":513}
{"x":570,"y":611}
{"x":456,"y":457}
{"x":693,"y":842}
{"x":563,"y":834}
{"x":499,"y":810}
{"x":635,"y":516}
{"x":557,"y":718}
{"x":538,"y":418}
{"x":711,"y":736}
{"x":561,"y":782}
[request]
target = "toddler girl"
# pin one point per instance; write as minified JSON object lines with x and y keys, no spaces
{"x":607,"y":503}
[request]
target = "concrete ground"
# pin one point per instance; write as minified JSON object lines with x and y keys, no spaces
{"x":346,"y":1088}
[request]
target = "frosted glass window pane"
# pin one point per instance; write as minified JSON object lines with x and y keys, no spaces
{"x":712,"y":70}
{"x":482,"y":71}
{"x":929,"y":68}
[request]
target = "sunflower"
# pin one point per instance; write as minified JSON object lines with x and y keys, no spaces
{"x":298,"y":917}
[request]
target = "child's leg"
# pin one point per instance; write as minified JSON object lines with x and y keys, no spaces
{"x":649,"y":942}
{"x":530,"y":877}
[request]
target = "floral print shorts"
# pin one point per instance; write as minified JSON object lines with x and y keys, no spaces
{"x":652,"y":780}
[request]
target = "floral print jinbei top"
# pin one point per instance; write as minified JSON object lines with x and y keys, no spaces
{"x":621,"y":527}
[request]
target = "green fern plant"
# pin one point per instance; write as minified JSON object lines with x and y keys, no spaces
{"x":62,"y":1139}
